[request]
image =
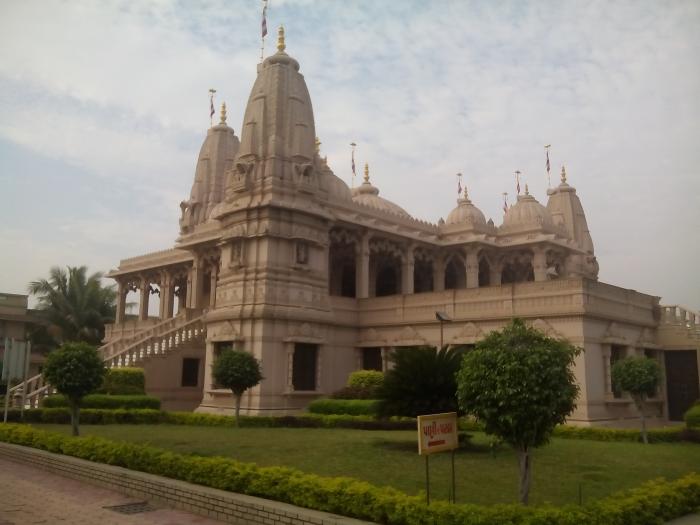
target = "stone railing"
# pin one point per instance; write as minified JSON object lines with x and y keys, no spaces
{"x":155,"y":344}
{"x":156,"y":341}
{"x":685,"y":319}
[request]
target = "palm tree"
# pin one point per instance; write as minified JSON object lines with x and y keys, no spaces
{"x":75,"y":306}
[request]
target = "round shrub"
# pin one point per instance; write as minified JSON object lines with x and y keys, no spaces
{"x":124,"y":381}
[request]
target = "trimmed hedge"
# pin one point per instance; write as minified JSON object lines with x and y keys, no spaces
{"x":124,"y":381}
{"x":106,"y":401}
{"x":90,"y":416}
{"x":353,"y":407}
{"x":655,"y":435}
{"x":366,"y":379}
{"x":652,"y":503}
{"x":692,"y":416}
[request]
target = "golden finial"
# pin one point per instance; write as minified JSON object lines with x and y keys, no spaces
{"x":280,"y":40}
{"x":366,"y":173}
{"x":466,"y":193}
{"x":563,"y":174}
{"x":318,"y":145}
{"x":223,"y":113}
{"x":527,"y":190}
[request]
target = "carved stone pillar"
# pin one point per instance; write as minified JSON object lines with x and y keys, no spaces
{"x":195,"y":282}
{"x":121,"y":302}
{"x":408,"y":265}
{"x":208,"y":364}
{"x":539,"y":264}
{"x":362,"y":266}
{"x":143,"y":299}
{"x":472,"y":268}
{"x":439,"y":273}
{"x":212,"y":287}
{"x":167,"y":295}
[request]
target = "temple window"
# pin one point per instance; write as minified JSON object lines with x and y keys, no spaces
{"x":387,"y":281}
{"x":341,"y":270}
{"x":484,"y":273}
{"x":304,"y":363}
{"x":423,"y":276}
{"x":372,"y":359}
{"x":190,"y":372}
{"x":617,"y":352}
{"x":455,"y":274}
{"x":518,"y":270}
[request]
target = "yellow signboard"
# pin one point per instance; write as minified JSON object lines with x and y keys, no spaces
{"x":437,"y":433}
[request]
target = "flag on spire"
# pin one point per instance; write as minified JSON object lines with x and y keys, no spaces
{"x":546,"y":149}
{"x":353,"y":163}
{"x":459,"y":184}
{"x":505,"y":203}
{"x":264,"y":19}
{"x":211,"y":105}
{"x":517,"y":181}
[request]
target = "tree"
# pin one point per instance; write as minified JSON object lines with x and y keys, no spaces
{"x":640,"y":376}
{"x":75,"y":370}
{"x":422,"y":381}
{"x":519,"y":383}
{"x":238,"y":371}
{"x":75,"y":305}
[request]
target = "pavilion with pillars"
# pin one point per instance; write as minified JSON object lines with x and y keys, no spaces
{"x":279,"y":257}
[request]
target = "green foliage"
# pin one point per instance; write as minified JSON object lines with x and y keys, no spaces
{"x":106,"y":401}
{"x":75,"y":370}
{"x":124,"y":381}
{"x":421,"y":382}
{"x":640,"y":376}
{"x":657,"y":435}
{"x":354,"y":407}
{"x":519,"y":384}
{"x":652,"y":503}
{"x":366,"y":379}
{"x":75,"y":305}
{"x":692,"y":417}
{"x":237,"y":370}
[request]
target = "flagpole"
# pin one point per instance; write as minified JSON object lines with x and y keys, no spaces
{"x":505,"y":202}
{"x":546,"y":149}
{"x":263,"y":31}
{"x":517,"y":181}
{"x":459,"y":185}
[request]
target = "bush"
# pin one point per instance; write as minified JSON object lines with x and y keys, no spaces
{"x":366,"y":378}
{"x":353,"y":407}
{"x":124,"y":381}
{"x":654,"y":502}
{"x":692,"y":417}
{"x":354,"y":392}
{"x":106,"y":401}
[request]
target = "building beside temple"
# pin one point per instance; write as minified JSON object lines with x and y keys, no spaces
{"x":279,"y":257}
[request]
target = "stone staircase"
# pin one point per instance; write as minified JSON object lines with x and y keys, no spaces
{"x":155,"y":342}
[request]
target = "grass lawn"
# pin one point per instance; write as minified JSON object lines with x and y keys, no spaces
{"x":391,"y":458}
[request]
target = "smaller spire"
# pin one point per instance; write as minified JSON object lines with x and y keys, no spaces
{"x":280,"y":40}
{"x":527,"y":190}
{"x":318,"y":145}
{"x":563,"y":175}
{"x":367,"y":173}
{"x":466,"y":193}
{"x":223,"y":114}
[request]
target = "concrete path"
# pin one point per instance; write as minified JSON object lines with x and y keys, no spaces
{"x":29,"y":495}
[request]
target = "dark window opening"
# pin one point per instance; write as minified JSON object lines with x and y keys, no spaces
{"x":423,"y":277}
{"x":387,"y":282}
{"x":455,"y":275}
{"x":517,"y":272}
{"x":484,"y":273}
{"x":190,"y":371}
{"x":347,"y":280}
{"x":304,"y":366}
{"x":617,"y":352}
{"x":372,"y":359}
{"x":341,"y":271}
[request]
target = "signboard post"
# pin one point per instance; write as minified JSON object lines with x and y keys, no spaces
{"x":437,"y":433}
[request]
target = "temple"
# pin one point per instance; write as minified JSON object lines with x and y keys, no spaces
{"x":279,"y":257}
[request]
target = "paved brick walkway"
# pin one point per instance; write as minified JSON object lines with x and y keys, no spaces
{"x":31,"y":496}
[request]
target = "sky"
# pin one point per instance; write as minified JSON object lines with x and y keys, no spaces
{"x":104,"y":106}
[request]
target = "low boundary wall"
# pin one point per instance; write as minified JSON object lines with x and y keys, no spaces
{"x":228,"y":507}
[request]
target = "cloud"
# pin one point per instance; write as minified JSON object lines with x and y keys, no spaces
{"x":426,"y":89}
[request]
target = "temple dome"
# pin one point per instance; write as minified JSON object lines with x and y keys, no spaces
{"x":466,"y":213}
{"x":368,"y":195}
{"x":527,"y":212}
{"x":215,"y":156}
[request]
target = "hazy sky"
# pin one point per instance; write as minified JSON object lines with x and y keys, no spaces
{"x":104,"y":105}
